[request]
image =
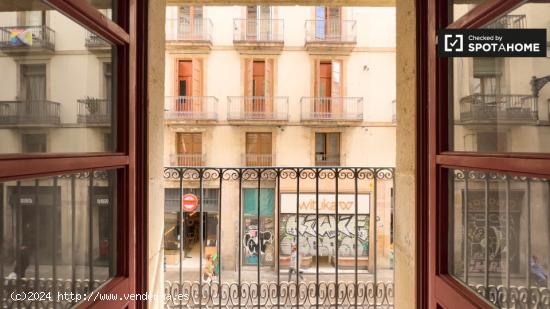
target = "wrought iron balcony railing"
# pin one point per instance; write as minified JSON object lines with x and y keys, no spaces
{"x":490,"y":108}
{"x":188,"y":29}
{"x":94,"y":111}
{"x":509,"y":22}
{"x":187,"y":159}
{"x":191,"y":108}
{"x":332,"y":108}
{"x":277,"y":208}
{"x":331,"y":31}
{"x":29,"y":113}
{"x":258,"y":30}
{"x":253,"y":159}
{"x":94,"y":41}
{"x":24,"y":38}
{"x":257,"y":108}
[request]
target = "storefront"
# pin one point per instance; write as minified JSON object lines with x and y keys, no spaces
{"x":353,"y":222}
{"x":191,"y":222}
{"x":265,"y":243}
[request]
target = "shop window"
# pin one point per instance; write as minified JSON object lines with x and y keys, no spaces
{"x":258,"y":241}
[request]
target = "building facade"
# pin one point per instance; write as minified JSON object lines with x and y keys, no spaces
{"x":285,"y":86}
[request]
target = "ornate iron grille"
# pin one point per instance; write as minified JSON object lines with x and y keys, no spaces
{"x":306,"y":193}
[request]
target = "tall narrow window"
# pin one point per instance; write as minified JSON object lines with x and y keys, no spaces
{"x":258,"y":149}
{"x":258,"y":22}
{"x":328,"y":25}
{"x":327,"y":149}
{"x":258,"y":88}
{"x":33,"y":82}
{"x":34,"y":143}
{"x":328,"y":88}
{"x":190,"y":21}
{"x":188,"y":149}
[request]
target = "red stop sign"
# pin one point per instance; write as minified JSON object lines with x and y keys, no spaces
{"x":189,"y":202}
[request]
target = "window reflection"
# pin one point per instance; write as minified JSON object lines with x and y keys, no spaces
{"x":502,"y":104}
{"x":499,"y":237}
{"x":57,"y":229}
{"x":57,"y":82}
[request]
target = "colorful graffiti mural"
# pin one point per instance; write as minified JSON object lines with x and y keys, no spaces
{"x":326,"y":227}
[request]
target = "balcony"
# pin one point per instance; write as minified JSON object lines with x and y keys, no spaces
{"x":189,"y":33}
{"x":483,"y":109}
{"x":94,"y":42}
{"x":253,"y":159}
{"x":336,"y":109}
{"x":192,"y":159}
{"x":250,"y":109}
{"x":29,"y":113}
{"x":323,"y":159}
{"x":191,"y":108}
{"x":25,"y":39}
{"x":258,"y":35}
{"x":331,"y":36}
{"x":94,"y":111}
{"x":508,"y":22}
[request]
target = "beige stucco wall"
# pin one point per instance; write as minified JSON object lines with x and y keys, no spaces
{"x":155,"y":135}
{"x":406,"y":167}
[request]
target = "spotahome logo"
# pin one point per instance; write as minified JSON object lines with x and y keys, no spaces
{"x":492,"y":43}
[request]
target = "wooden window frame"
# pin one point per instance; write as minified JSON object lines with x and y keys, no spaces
{"x":128,"y":36}
{"x":436,"y":288}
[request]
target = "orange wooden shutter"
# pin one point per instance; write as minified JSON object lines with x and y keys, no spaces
{"x":316,"y":77}
{"x":269,"y":84}
{"x":197,"y":84}
{"x":248,"y":76}
{"x":265,"y":144}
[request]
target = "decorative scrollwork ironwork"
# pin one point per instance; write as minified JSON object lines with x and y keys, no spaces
{"x":286,"y":294}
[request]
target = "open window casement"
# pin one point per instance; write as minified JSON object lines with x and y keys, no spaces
{"x":259,"y":85}
{"x":258,"y":22}
{"x":269,"y":83}
{"x":197,"y":84}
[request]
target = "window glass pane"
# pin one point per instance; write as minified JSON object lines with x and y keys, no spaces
{"x":58,"y":82}
{"x":499,"y":237}
{"x":58,"y":229}
{"x":460,"y":7}
{"x":105,"y":7}
{"x":502,"y":104}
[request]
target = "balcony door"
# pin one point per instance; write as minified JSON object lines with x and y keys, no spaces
{"x":328,"y":78}
{"x":489,"y":166}
{"x":258,"y":149}
{"x":328,"y":23}
{"x":258,"y":23}
{"x":259,"y":84}
{"x":188,"y":149}
{"x":33,"y":88}
{"x":190,"y":22}
{"x":185,"y":82}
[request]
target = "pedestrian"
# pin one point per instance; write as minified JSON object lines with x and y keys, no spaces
{"x":24,"y":253}
{"x":538,"y":272}
{"x":294,"y":266}
{"x":208,"y":275}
